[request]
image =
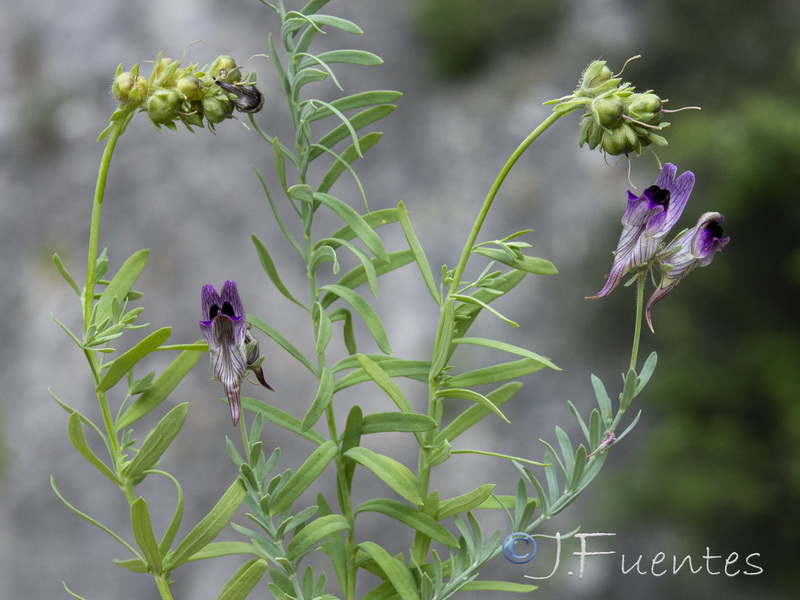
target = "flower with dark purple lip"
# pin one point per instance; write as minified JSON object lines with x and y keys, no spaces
{"x":692,"y":248}
{"x":231,"y":348}
{"x":647,"y":219}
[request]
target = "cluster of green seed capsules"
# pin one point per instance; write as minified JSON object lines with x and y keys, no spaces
{"x":189,"y":95}
{"x":618,"y":119}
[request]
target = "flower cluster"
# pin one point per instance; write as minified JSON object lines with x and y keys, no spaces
{"x":618,"y":119}
{"x":189,"y":95}
{"x":232,"y":349}
{"x":647,"y":220}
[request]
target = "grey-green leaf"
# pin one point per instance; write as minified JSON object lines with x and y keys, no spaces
{"x":412,"y":517}
{"x":272,"y":272}
{"x":160,"y":388}
{"x":394,"y":474}
{"x":121,"y":283}
{"x":118,"y":367}
{"x":209,"y":526}
{"x":356,"y":223}
{"x":304,"y":477}
{"x":312,"y":533}
{"x":396,"y":422}
{"x":321,"y":401}
{"x":365,"y":311}
{"x":76,"y":436}
{"x":398,"y":573}
{"x":143,"y":534}
{"x":157,"y":441}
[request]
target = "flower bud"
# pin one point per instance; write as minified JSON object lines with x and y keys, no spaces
{"x":596,"y":79}
{"x":191,"y":87}
{"x":165,"y":72}
{"x":163,"y":106}
{"x":129,"y":89}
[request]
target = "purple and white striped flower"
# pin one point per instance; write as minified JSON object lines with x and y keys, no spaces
{"x":647,"y":219}
{"x":693,"y":248}
{"x":231,"y":348}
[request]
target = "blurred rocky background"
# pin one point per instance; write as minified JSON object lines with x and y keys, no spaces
{"x":713,"y":467}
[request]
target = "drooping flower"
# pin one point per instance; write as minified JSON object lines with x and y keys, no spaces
{"x":231,"y":348}
{"x":693,"y":248}
{"x":647,"y":219}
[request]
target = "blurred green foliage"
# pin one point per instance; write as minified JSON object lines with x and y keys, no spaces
{"x":462,"y":35}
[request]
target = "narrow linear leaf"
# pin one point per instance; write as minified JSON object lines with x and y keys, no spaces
{"x":379,"y":376}
{"x":218,"y":549}
{"x":239,"y":586}
{"x":76,"y":436}
{"x":465,"y":502}
{"x":495,"y":373}
{"x":209,"y":526}
{"x":157,"y":441}
{"x":94,"y":522}
{"x":523,"y":262}
{"x":419,"y":253}
{"x":143,"y":534}
{"x":66,"y":274}
{"x":333,"y":545}
{"x":125,"y":362}
{"x":272,"y":272}
{"x":475,"y":413}
{"x":603,"y":401}
{"x":346,"y":158}
{"x":396,"y":422}
{"x":324,"y":328}
{"x":304,"y":477}
{"x":414,"y":518}
{"x":358,"y":275}
{"x":160,"y":388}
{"x":398,"y":573}
{"x":312,"y":533}
{"x":362,"y":119}
{"x":356,"y":223}
{"x":485,"y":306}
{"x":505,"y":347}
{"x":365,"y":311}
{"x":321,"y":401}
{"x":497,"y":586}
{"x":282,"y":342}
{"x":374,"y":219}
{"x":391,"y":365}
{"x":351,"y":57}
{"x":472,"y":396}
{"x":121,"y":283}
{"x":281,"y":419}
{"x":351,"y":438}
{"x":394,"y":474}
{"x":443,"y":346}
{"x":355,"y":101}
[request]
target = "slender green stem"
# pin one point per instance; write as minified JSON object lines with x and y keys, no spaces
{"x":116,"y":129}
{"x":163,"y":586}
{"x":637,"y":333}
{"x":487,"y":203}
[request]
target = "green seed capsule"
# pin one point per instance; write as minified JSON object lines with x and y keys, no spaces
{"x":191,"y":87}
{"x":608,"y":112}
{"x":163,"y":106}
{"x":129,"y":89}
